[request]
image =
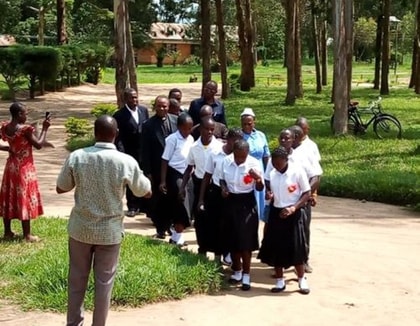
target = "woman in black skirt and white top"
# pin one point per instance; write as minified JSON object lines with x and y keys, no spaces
{"x":241,"y":175}
{"x":284,"y":239}
{"x":174,"y":163}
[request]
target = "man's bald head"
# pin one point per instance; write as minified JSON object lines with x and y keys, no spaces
{"x":105,"y":129}
{"x":205,"y":111}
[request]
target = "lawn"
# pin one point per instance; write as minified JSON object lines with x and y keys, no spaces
{"x":35,"y":275}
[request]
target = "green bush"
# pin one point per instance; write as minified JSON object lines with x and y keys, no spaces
{"x":79,"y":142}
{"x":11,"y":69}
{"x":104,"y":108}
{"x":35,"y":275}
{"x":192,"y":60}
{"x":77,"y":128}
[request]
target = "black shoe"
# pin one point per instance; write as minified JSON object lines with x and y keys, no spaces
{"x":131,"y":213}
{"x":233,"y":281}
{"x":160,"y":235}
{"x":277,"y":290}
{"x":245,"y":287}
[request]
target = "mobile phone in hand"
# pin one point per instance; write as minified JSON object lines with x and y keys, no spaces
{"x":47,"y":114}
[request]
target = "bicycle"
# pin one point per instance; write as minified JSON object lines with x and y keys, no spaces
{"x":384,"y":125}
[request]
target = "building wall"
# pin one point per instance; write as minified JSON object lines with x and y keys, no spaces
{"x":148,"y":55}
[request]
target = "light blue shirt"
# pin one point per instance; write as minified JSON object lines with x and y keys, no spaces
{"x":258,"y":145}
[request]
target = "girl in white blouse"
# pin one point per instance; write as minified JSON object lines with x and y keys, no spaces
{"x":241,"y":175}
{"x":284,"y":238}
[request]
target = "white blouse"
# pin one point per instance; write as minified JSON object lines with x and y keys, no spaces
{"x":200,"y":154}
{"x":176,"y":151}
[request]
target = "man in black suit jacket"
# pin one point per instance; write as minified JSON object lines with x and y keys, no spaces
{"x":155,"y":130}
{"x":130,"y":119}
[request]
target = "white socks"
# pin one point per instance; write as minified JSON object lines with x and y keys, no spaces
{"x":280,"y":283}
{"x":303,"y":283}
{"x":227,"y":259}
{"x":237,"y":276}
{"x":178,"y":238}
{"x":246,"y":279}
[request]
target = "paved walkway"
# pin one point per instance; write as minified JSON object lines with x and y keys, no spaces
{"x":365,"y":255}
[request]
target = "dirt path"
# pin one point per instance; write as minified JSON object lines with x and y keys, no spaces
{"x":364,"y":255}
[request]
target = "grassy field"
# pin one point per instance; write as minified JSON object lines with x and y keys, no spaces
{"x":35,"y":275}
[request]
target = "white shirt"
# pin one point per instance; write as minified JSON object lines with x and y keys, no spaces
{"x":199,"y":155}
{"x":311,"y":168}
{"x":312,"y":148}
{"x":234,"y":175}
{"x":176,"y":151}
{"x":134,"y":113}
{"x":287,"y":187}
{"x":214,"y":165}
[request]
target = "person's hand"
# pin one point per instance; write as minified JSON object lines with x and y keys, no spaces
{"x":148,"y":195}
{"x":313,"y":200}
{"x":46,"y":124}
{"x":162,"y":188}
{"x":225,"y":192}
{"x":287,"y":211}
{"x":181,"y":194}
{"x":268,"y":195}
{"x":200,"y":206}
{"x":255,"y":175}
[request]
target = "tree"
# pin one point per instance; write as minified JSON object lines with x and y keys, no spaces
{"x":61,"y":22}
{"x":205,"y":40}
{"x":317,"y":48}
{"x":384,"y":89}
{"x":246,"y":43}
{"x":416,"y":52}
{"x":125,"y":69}
{"x":342,"y":22}
{"x":222,"y":48}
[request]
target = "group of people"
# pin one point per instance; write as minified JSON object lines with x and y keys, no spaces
{"x":177,"y":166}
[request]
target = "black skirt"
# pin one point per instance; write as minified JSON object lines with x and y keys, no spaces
{"x":210,"y":224}
{"x":284,"y":240}
{"x":241,"y":222}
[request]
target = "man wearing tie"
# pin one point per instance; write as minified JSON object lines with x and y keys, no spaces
{"x":130,"y":119}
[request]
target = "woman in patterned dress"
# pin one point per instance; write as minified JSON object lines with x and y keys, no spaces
{"x":19,"y":194}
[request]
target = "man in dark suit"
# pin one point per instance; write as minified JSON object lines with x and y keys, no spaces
{"x":220,"y":130}
{"x":155,"y":130}
{"x":130,"y":120}
{"x":208,"y":97}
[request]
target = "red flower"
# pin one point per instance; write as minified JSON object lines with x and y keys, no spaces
{"x":292,"y":188}
{"x":248,"y":179}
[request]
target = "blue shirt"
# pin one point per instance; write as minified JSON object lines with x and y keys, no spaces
{"x":258,"y":145}
{"x":218,"y":110}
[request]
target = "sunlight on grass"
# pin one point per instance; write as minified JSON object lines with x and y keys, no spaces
{"x":35,"y":275}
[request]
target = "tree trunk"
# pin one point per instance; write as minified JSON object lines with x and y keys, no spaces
{"x":124,"y":58}
{"x":41,"y":24}
{"x":245,"y":35}
{"x":291,"y":51}
{"x":205,"y":41}
{"x":298,"y":51}
{"x":61,"y":22}
{"x":316,"y":40}
{"x":378,"y":47}
{"x":222,"y":48}
{"x":384,"y":90}
{"x":414,"y":63}
{"x":417,"y":50}
{"x":324,"y":54}
{"x":341,"y":97}
{"x":349,"y":11}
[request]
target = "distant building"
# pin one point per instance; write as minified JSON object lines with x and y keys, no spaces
{"x":7,"y":40}
{"x":176,"y":37}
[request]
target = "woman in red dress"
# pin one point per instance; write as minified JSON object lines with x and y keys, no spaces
{"x":19,"y":194}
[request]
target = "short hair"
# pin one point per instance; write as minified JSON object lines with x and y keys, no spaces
{"x":297,"y":131}
{"x":301,"y":121}
{"x":174,"y":102}
{"x":206,"y":119}
{"x":183,"y":118}
{"x":174,"y":90}
{"x":205,"y":108}
{"x":16,"y":108}
{"x":128,"y":91}
{"x":279,"y":152}
{"x":235,"y":133}
{"x":289,"y":130}
{"x":241,"y":145}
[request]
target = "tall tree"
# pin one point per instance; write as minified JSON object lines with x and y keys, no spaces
{"x":246,"y":43}
{"x":342,"y":19}
{"x":205,"y":12}
{"x":291,"y":7}
{"x":125,"y":70}
{"x":384,"y":89}
{"x":416,"y":52}
{"x":317,"y":41}
{"x":222,"y":48}
{"x":61,"y":22}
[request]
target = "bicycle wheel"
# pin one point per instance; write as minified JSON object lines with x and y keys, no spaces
{"x":351,"y":125}
{"x":387,"y":127}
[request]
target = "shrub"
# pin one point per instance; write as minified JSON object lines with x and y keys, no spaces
{"x":77,"y":128}
{"x":192,"y":60}
{"x":80,"y":142}
{"x":11,"y":69}
{"x":104,"y":108}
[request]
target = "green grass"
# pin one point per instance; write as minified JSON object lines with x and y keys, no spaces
{"x":35,"y":275}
